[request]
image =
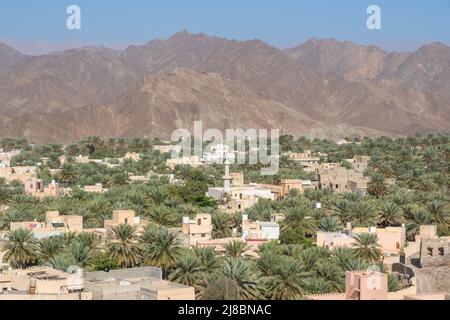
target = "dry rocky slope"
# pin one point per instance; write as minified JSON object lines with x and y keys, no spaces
{"x":323,"y":88}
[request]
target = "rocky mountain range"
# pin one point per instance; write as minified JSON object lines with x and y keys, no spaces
{"x":322,"y":88}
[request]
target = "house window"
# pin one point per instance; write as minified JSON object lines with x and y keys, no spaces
{"x":199,"y":221}
{"x":430,"y":251}
{"x":240,"y":196}
{"x":337,"y":186}
{"x":441,"y":251}
{"x":126,"y":220}
{"x":239,"y":206}
{"x":203,"y":235}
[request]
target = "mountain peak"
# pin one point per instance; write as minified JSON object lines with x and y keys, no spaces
{"x":181,"y":35}
{"x":5,"y":48}
{"x":434,"y":46}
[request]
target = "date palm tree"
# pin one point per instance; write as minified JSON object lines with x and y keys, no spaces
{"x":68,"y":173}
{"x":187,"y":270}
{"x":49,"y":248}
{"x":124,"y":246}
{"x":20,"y":249}
{"x":267,"y":263}
{"x":390,"y":215}
{"x":236,"y":248}
{"x":342,"y":210}
{"x":9,"y":216}
{"x":288,"y":281}
{"x":330,"y":224}
{"x":161,"y":248}
{"x":60,"y":262}
{"x":237,"y":271}
{"x":79,"y":253}
{"x":317,"y":285}
{"x":162,"y":216}
{"x":332,"y":274}
{"x":207,"y":258}
{"x":221,"y":225}
{"x":298,"y":218}
{"x":439,"y":215}
{"x":90,"y":240}
{"x":419,"y":216}
{"x":363,"y":214}
{"x":377,"y":185}
{"x":366,"y":247}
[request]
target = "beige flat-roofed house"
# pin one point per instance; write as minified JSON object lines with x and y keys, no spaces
{"x":342,"y":180}
{"x":36,"y":188}
{"x":307,"y":159}
{"x":245,"y":196}
{"x":54,"y":225}
{"x":193,"y":161}
{"x":135,"y":284}
{"x":124,"y":217}
{"x":42,"y":283}
{"x":167,"y":148}
{"x":21,"y":174}
{"x":391,"y":239}
{"x":97,"y":188}
{"x":257,"y":230}
{"x":360,"y":285}
{"x":200,"y":228}
{"x":296,"y":184}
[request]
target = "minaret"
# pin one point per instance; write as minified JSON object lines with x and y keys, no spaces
{"x":227,"y":177}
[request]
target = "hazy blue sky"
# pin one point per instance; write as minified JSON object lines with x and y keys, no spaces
{"x":282,"y":23}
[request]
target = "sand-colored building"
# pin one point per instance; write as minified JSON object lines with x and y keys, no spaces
{"x":428,"y":249}
{"x":359,"y":163}
{"x":125,"y":217}
{"x":42,"y":283}
{"x":97,"y":188}
{"x":257,"y":230}
{"x":237,"y":179}
{"x":296,"y":184}
{"x":392,"y":240}
{"x":307,"y":159}
{"x":6,"y":157}
{"x":193,"y":161}
{"x":167,"y":148}
{"x":342,"y":180}
{"x":360,"y":285}
{"x":135,"y":284}
{"x":36,"y":188}
{"x":21,"y":173}
{"x":199,"y":228}
{"x":54,"y":225}
{"x":242,"y":197}
{"x":373,"y":285}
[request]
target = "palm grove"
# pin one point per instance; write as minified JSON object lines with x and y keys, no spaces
{"x":290,"y":269}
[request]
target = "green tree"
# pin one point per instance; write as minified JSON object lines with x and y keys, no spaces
{"x":377,"y":185}
{"x":124,"y":246}
{"x":188,"y":270}
{"x":390,"y":215}
{"x":366,"y":247}
{"x":288,"y":281}
{"x":161,"y":248}
{"x":20,"y":249}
